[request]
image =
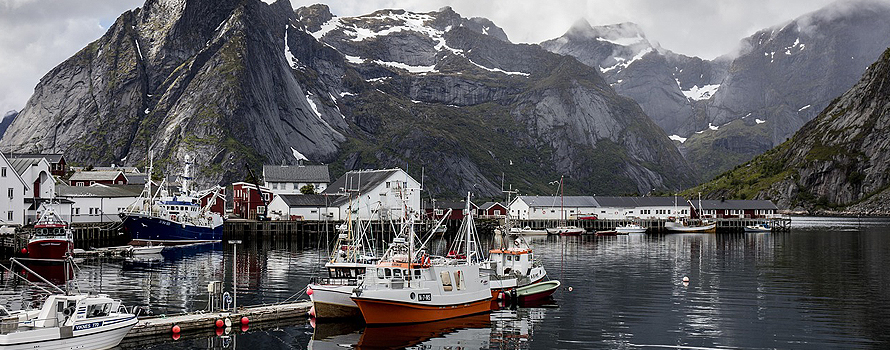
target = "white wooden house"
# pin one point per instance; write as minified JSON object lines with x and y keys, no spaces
{"x":377,"y":194}
{"x":12,"y":197}
{"x":282,"y":179}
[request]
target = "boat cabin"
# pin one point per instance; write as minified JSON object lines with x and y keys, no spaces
{"x":61,"y":310}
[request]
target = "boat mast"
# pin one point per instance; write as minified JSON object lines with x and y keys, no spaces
{"x":562,"y":201}
{"x":469,"y":223}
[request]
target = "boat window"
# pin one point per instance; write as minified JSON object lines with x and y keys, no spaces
{"x":397,"y":273}
{"x":417,"y":274}
{"x":459,"y":280}
{"x":388,"y":273}
{"x":446,"y":281}
{"x":380,"y":273}
{"x":98,"y":310}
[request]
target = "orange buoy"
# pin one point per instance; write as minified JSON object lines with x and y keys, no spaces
{"x":244,"y":320}
{"x":176,"y":329}
{"x":219,"y":323}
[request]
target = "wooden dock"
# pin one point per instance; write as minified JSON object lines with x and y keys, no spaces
{"x":203,"y":321}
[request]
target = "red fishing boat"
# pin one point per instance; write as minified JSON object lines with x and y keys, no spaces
{"x":52,"y":237}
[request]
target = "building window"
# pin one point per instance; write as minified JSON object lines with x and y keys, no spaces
{"x":3,"y":171}
{"x":9,"y":213}
{"x":274,"y":185}
{"x":11,"y":193}
{"x":76,"y":211}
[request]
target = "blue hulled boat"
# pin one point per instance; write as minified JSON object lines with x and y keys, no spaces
{"x":159,"y":217}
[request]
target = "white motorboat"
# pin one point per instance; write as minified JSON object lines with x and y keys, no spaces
{"x":528,"y":231}
{"x":688,"y":227}
{"x":82,"y":321}
{"x":565,"y":230}
{"x":152,"y":249}
{"x":630,"y":228}
{"x":758,"y":228}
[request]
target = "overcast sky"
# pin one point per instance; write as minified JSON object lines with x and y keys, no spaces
{"x":37,"y":35}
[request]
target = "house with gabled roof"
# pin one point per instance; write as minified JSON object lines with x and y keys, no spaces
{"x":315,"y":207}
{"x":553,"y":207}
{"x":291,"y":178}
{"x":12,"y":194}
{"x":98,"y":203}
{"x":377,"y":194}
{"x":57,"y":164}
{"x":104,"y":177}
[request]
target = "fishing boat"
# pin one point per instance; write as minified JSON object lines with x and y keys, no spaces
{"x":563,"y":229}
{"x":512,"y":263}
{"x":407,"y":286}
{"x":630,"y":228}
{"x":173,"y":218}
{"x":350,"y":256}
{"x":761,"y":227}
{"x":536,"y":291}
{"x":528,"y":231}
{"x":52,"y":237}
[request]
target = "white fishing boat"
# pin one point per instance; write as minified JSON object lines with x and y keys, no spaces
{"x":82,"y":321}
{"x":350,"y":256}
{"x":144,"y":250}
{"x":762,"y":227}
{"x":630,"y":228}
{"x":409,"y":287}
{"x":511,"y":264}
{"x":683,"y":226}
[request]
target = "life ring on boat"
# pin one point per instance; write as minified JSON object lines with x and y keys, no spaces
{"x":426,"y":261}
{"x":173,"y":217}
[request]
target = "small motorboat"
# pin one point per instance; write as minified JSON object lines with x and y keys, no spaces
{"x":151,"y":249}
{"x":758,"y":228}
{"x":535,"y":291}
{"x":630,"y":228}
{"x":607,"y":233}
{"x":528,"y":231}
{"x":82,"y":321}
{"x":565,"y":230}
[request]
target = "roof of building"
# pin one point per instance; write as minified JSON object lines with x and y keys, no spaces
{"x":556,"y":201}
{"x":736,"y":204}
{"x":21,"y":164}
{"x":137,"y":178}
{"x":52,"y":158}
{"x":360,"y":180}
{"x":296,"y":173}
{"x":95,"y":175}
{"x":488,"y":205}
{"x":309,"y":200}
{"x":124,"y":169}
{"x":636,"y":202}
{"x":98,"y":190}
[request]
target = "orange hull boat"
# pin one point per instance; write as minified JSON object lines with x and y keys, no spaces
{"x":388,"y":312}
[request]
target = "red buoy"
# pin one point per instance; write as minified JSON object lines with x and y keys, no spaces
{"x":176,"y":329}
{"x":308,"y":290}
{"x":244,"y":320}
{"x":220,"y":324}
{"x":24,"y":251}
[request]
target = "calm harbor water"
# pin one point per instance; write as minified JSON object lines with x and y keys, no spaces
{"x":821,"y":285}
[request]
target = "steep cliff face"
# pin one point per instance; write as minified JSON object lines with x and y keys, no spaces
{"x":237,"y":82}
{"x":839,"y":159}
{"x":6,"y":121}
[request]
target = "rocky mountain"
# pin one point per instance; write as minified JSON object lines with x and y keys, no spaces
{"x":838,"y":161}
{"x":668,"y":86}
{"x":242,"y":82}
{"x":6,"y":121}
{"x":725,"y":111}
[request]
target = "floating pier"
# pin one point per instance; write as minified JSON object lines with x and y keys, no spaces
{"x":202,"y":321}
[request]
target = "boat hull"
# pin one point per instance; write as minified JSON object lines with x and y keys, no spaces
{"x":377,"y":311}
{"x":712,"y":228}
{"x":49,"y":248}
{"x":103,"y":337}
{"x":333,"y":301}
{"x":537,"y":291}
{"x":757,"y":229}
{"x":154,"y":229}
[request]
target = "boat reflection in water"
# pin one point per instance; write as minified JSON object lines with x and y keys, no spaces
{"x":52,"y":271}
{"x":502,"y":329}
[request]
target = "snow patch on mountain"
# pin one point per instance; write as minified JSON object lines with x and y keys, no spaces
{"x":498,"y":70}
{"x":678,"y":138}
{"x":412,"y":69}
{"x":701,"y":93}
{"x":624,"y":63}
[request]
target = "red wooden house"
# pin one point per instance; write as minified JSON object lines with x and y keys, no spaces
{"x":492,"y":210}
{"x":438,"y":209}
{"x":217,"y":199}
{"x":88,"y":178}
{"x":246,"y":200}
